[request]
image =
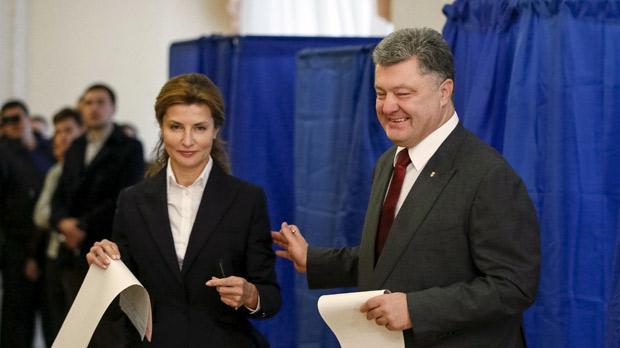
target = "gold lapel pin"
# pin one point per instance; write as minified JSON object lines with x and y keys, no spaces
{"x":432,"y":174}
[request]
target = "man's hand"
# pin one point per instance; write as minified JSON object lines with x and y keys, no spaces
{"x":73,"y":234}
{"x":295,"y":247}
{"x":31,"y":269}
{"x":389,"y":310}
{"x":102,"y":253}
{"x":235,"y":291}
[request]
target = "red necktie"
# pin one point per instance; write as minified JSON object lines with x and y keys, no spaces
{"x":389,"y":206}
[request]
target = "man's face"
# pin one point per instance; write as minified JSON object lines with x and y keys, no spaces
{"x":15,"y":123}
{"x":97,"y":109}
{"x":65,"y":132}
{"x":411,"y":105}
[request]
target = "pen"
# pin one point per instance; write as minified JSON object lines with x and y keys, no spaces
{"x":221,"y":264}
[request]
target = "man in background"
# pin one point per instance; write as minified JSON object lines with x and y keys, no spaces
{"x":56,"y":301}
{"x":24,"y":161}
{"x":97,"y":166}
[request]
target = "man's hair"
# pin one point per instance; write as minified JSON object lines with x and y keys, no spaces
{"x":425,"y":44}
{"x":67,"y":114}
{"x":13,"y":103}
{"x":101,"y":87}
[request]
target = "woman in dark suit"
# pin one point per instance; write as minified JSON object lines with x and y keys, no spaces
{"x":197,"y":238}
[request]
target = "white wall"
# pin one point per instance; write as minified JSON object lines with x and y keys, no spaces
{"x":71,"y":44}
{"x":12,"y":48}
{"x":419,"y":13}
{"x":52,"y":50}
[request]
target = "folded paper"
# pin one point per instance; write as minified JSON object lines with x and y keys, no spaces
{"x":98,"y":290}
{"x":342,"y":314}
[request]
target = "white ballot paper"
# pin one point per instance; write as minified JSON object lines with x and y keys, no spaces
{"x":342,"y":314}
{"x":98,"y":290}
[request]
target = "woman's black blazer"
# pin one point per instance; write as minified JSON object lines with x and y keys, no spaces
{"x":231,"y":228}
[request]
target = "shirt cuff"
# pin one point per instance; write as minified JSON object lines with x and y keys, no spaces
{"x":254,"y":311}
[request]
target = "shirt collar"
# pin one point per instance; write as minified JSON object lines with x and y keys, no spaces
{"x":100,"y":137}
{"x":422,"y":153}
{"x":200,"y":181}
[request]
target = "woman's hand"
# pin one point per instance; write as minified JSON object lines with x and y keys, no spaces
{"x":102,"y":253}
{"x":235,"y":291}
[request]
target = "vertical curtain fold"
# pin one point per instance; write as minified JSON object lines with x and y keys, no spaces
{"x":539,"y":80}
{"x":337,"y":141}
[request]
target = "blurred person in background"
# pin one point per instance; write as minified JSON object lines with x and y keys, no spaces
{"x":24,"y":161}
{"x":56,"y":301}
{"x":97,"y":166}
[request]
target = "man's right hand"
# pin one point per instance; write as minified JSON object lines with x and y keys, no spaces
{"x":101,"y":253}
{"x":73,"y":234}
{"x":295,"y":247}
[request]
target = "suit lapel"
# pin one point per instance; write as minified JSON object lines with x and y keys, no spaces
{"x":80,"y":148}
{"x":367,"y":246}
{"x":155,"y":208}
{"x":420,"y":200}
{"x":219,"y":193}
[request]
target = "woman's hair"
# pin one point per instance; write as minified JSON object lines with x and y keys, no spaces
{"x":190,"y":89}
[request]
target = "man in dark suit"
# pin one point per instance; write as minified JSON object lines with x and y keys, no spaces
{"x":450,"y":229}
{"x":97,"y":166}
{"x":24,"y":160}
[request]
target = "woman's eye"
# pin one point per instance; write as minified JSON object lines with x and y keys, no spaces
{"x":201,"y":128}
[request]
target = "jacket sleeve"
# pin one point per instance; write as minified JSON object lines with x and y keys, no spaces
{"x":332,"y":268}
{"x":260,"y":262}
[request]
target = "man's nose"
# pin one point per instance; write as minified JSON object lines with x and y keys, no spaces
{"x":390,"y":104}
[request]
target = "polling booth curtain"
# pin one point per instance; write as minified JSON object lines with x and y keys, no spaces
{"x":540,"y":81}
{"x":257,"y":76}
{"x":337,"y":141}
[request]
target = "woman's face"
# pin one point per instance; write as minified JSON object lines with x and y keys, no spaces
{"x":188,"y":132}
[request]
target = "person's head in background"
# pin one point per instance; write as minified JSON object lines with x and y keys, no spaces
{"x":190,"y":112}
{"x":40,"y":126}
{"x":97,"y":106}
{"x":67,"y":127}
{"x":414,"y":82}
{"x":15,"y":121}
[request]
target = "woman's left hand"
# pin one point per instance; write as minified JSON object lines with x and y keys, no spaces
{"x":235,"y":291}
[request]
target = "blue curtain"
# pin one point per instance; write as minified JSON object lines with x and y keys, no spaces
{"x":540,"y":81}
{"x":337,"y":141}
{"x":257,"y":76}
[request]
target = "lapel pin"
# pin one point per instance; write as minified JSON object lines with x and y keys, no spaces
{"x":432,"y":174}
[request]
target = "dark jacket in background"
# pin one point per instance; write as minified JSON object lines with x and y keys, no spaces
{"x":89,"y":192}
{"x":22,"y":173}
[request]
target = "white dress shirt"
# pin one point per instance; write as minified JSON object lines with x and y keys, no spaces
{"x":94,"y":144}
{"x":183,"y":203}
{"x":421,"y":154}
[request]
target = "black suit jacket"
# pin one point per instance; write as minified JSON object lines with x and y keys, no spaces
{"x":232,"y":226}
{"x":89,"y":192}
{"x":464,"y":247}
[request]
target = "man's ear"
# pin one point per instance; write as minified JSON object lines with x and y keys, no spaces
{"x":446,"y":88}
